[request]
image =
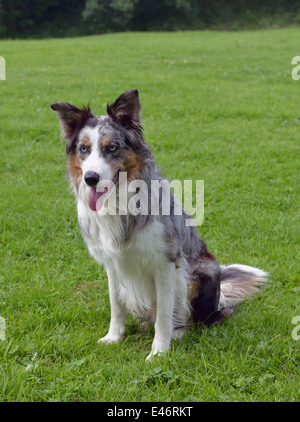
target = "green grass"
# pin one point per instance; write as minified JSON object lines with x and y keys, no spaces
{"x":221,"y":107}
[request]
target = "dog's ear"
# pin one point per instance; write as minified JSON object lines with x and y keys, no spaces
{"x":71,"y":118}
{"x":126,"y":110}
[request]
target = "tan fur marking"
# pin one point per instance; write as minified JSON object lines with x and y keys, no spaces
{"x":74,"y":169}
{"x":86,"y":141}
{"x":193,"y":290}
{"x":105,"y":142}
{"x":133,"y":165}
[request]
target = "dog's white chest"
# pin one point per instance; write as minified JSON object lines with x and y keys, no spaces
{"x":134,"y":262}
{"x":105,"y":240}
{"x":102,"y":234}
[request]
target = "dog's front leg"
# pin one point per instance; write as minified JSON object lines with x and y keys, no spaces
{"x":165,"y":294}
{"x":118,"y":311}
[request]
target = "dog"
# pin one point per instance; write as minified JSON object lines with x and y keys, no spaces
{"x":158,"y":267}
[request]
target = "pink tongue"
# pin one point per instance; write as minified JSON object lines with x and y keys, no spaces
{"x":94,"y":204}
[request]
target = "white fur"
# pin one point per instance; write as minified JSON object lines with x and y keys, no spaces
{"x":234,"y":290}
{"x":256,"y":271}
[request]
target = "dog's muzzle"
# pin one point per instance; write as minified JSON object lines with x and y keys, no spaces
{"x":91,"y":178}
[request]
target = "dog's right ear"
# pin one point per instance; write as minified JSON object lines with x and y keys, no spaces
{"x":71,"y":118}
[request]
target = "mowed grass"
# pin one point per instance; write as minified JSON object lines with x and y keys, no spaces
{"x":219,"y":107}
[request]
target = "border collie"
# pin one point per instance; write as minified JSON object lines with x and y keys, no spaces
{"x":158,"y":267}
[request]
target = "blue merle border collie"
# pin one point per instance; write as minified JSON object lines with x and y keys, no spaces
{"x":158,"y":267}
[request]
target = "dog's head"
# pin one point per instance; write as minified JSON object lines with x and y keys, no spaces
{"x":100,"y":147}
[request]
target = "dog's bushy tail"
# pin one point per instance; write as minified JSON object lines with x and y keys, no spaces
{"x":239,"y":282}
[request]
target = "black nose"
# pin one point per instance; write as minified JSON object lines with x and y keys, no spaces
{"x":91,"y":178}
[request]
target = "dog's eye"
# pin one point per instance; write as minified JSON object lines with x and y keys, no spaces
{"x":83,"y":149}
{"x":112,"y":148}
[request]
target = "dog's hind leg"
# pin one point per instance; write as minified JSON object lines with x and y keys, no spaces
{"x":118,"y":311}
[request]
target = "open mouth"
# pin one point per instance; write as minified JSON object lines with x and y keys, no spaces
{"x":96,"y":197}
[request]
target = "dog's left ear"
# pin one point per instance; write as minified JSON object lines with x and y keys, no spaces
{"x":126,"y":110}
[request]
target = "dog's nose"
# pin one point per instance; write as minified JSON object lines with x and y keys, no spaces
{"x":91,"y":178}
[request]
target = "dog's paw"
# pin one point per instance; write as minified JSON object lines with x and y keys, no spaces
{"x":155,"y":353}
{"x":178,"y":333}
{"x":159,"y":347}
{"x":110,"y":338}
{"x":151,"y":356}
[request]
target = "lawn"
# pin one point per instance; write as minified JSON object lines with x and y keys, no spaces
{"x":217,"y":106}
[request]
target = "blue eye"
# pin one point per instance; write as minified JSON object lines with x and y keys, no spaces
{"x":83,"y":149}
{"x":112,"y":148}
